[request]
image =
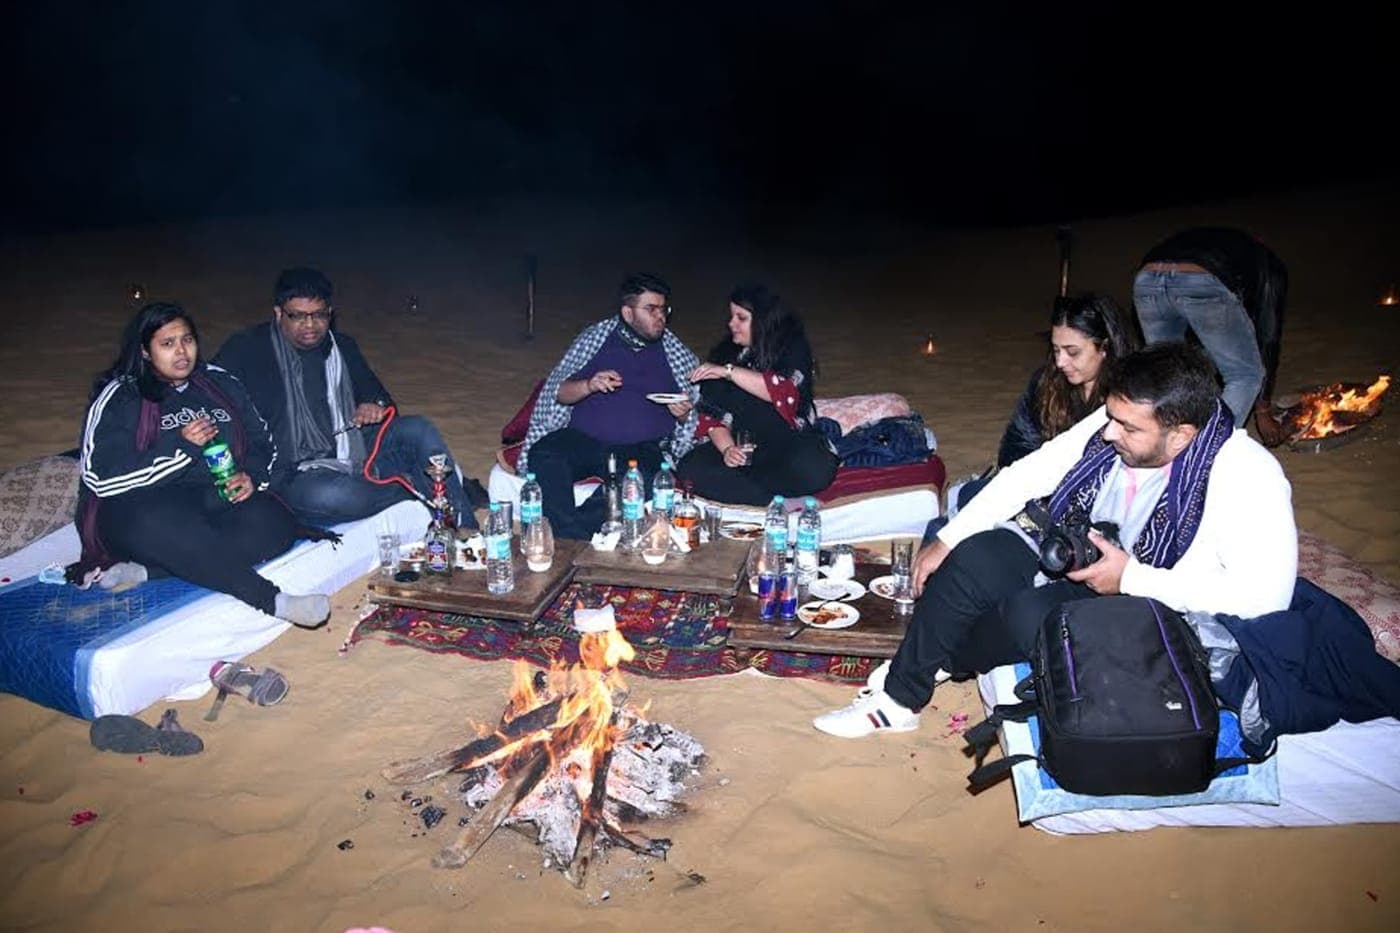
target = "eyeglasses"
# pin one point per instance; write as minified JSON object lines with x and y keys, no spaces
{"x":663,"y":310}
{"x":298,"y":317}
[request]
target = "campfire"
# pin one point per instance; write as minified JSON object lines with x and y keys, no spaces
{"x":1327,"y":411}
{"x":570,"y":763}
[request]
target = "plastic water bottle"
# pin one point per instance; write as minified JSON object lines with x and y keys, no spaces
{"x":663,"y":491}
{"x":809,"y":542}
{"x":633,"y":496}
{"x":531,"y":502}
{"x":775,"y":530}
{"x":500,"y":569}
{"x":219,"y":458}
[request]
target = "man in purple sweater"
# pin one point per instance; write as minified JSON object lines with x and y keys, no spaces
{"x":595,"y":403}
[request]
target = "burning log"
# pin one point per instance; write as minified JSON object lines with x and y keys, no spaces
{"x":571,"y":760}
{"x":490,"y":818}
{"x":1334,"y":409}
{"x":418,"y":770}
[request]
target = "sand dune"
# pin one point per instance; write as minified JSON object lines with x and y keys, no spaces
{"x":790,"y":829}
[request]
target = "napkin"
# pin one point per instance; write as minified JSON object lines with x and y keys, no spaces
{"x":606,"y":542}
{"x":592,"y":621}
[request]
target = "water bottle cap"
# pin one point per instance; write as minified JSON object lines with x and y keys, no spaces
{"x":530,"y":477}
{"x":810,"y":501}
{"x":495,"y":507}
{"x":779,"y":499}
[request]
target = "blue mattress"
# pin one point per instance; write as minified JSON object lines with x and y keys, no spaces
{"x":48,"y":634}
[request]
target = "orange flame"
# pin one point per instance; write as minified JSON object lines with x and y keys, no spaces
{"x":1336,"y":408}
{"x":583,"y":727}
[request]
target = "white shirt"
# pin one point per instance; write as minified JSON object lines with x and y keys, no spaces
{"x":1244,"y":558}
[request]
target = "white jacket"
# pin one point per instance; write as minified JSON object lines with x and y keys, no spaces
{"x":1244,"y":558}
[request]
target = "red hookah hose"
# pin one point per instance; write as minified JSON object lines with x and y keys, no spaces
{"x":389,"y":415}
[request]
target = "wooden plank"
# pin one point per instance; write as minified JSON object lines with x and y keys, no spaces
{"x":714,"y":568}
{"x":465,"y":591}
{"x":877,"y":634}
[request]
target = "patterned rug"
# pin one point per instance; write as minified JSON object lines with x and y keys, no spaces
{"x":676,"y":636}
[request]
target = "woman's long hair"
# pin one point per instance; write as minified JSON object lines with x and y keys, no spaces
{"x":131,"y":362}
{"x":775,"y":330}
{"x":1098,"y":318}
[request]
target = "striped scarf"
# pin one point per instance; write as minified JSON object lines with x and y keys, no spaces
{"x":1177,"y":516}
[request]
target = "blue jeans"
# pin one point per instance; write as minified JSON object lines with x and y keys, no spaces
{"x":1169,"y":302}
{"x":327,"y":497}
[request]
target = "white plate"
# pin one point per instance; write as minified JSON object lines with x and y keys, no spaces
{"x":741,"y":531}
{"x":841,"y":615}
{"x":883,"y":587}
{"x":667,"y":398}
{"x":836,"y":589}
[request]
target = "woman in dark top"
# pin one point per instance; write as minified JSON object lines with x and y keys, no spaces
{"x":758,"y":380}
{"x":1087,"y":332}
{"x":148,"y":503}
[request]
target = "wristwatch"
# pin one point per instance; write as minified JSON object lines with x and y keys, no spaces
{"x":729,"y":371}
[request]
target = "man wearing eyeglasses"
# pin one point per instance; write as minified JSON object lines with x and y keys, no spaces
{"x":595,"y":403}
{"x":325,"y":405}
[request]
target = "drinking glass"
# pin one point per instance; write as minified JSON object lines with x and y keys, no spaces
{"x":747,"y":445}
{"x":388,"y":554}
{"x":714,"y":517}
{"x":537,"y":544}
{"x":902,"y":568}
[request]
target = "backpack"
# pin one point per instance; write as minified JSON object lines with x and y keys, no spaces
{"x":1121,"y":692}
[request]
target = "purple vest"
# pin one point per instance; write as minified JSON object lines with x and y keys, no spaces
{"x":625,"y":416}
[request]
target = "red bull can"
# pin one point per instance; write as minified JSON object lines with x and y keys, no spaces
{"x":787,"y":593}
{"x":767,"y":594}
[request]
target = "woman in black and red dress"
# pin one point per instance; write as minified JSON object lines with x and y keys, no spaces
{"x":758,"y":381}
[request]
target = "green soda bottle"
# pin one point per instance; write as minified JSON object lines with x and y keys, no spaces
{"x":219,"y":459}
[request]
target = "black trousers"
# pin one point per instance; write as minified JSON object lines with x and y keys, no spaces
{"x":189,"y":532}
{"x":979,"y":610}
{"x":785,"y":462}
{"x":563,"y":457}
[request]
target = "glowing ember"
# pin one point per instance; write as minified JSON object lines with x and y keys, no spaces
{"x":1335,"y":409}
{"x":930,"y":348}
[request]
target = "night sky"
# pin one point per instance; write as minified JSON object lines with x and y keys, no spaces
{"x":951,"y":113}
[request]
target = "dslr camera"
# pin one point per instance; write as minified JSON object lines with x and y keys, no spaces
{"x":1066,"y":546}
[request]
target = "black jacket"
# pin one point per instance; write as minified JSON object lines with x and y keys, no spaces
{"x":113,"y":464}
{"x":248,"y":354}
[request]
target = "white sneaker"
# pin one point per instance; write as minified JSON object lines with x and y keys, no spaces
{"x":876,"y":681}
{"x":873,"y":711}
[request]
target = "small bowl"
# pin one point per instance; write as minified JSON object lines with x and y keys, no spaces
{"x":654,"y":556}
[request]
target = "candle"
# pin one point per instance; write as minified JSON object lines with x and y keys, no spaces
{"x":930,"y":348}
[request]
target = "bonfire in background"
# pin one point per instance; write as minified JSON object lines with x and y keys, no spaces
{"x":1334,"y":409}
{"x":570,"y":762}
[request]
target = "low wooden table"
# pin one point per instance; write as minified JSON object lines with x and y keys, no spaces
{"x":876,"y":635}
{"x":715,"y":568}
{"x":465,"y":591}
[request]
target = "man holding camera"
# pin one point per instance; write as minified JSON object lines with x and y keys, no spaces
{"x":1203,"y":515}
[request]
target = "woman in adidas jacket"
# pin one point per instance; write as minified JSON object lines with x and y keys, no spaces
{"x":148,"y":501}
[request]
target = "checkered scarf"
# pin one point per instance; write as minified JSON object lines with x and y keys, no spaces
{"x":549,"y":415}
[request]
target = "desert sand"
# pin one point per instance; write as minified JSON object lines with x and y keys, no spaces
{"x":789,"y":828}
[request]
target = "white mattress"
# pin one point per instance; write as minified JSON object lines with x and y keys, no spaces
{"x":900,"y":514}
{"x":170,"y":656}
{"x":1349,"y":773}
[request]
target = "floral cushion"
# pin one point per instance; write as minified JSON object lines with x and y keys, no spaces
{"x":36,"y":498}
{"x":852,"y":411}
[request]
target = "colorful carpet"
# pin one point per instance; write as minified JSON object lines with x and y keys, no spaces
{"x":676,"y":636}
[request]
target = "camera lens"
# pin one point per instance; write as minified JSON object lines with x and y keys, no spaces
{"x":1056,"y":554}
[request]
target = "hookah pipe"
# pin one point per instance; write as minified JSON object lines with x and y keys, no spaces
{"x":390,"y":413}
